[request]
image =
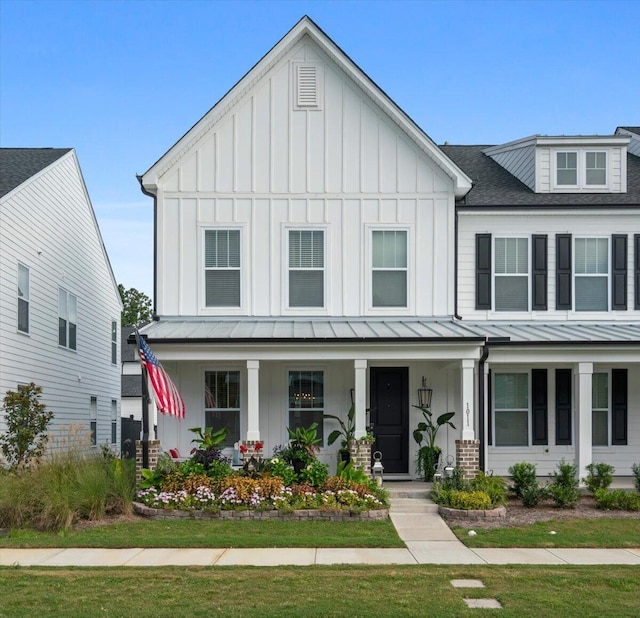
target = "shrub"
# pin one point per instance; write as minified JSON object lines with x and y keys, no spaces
{"x":493,"y":486}
{"x":523,"y":475}
{"x":315,"y":474}
{"x":532,"y":495}
{"x":600,"y":476}
{"x":635,"y":468}
{"x":279,"y":467}
{"x":564,"y":486}
{"x":616,"y":500}
{"x":469,"y":500}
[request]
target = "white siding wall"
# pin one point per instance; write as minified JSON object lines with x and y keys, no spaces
{"x":346,"y":167}
{"x":48,"y":226}
{"x":526,"y":224}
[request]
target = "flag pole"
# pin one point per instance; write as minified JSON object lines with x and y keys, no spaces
{"x":145,"y":408}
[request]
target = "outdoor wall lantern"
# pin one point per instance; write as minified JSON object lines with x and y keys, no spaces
{"x":377,"y":470}
{"x":424,"y":394}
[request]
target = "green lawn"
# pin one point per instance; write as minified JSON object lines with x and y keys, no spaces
{"x":216,"y":533}
{"x":353,"y":591}
{"x":569,"y":533}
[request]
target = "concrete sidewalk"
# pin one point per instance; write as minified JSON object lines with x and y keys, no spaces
{"x":427,"y":538}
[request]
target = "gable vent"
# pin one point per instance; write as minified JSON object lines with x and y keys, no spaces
{"x":307,"y":86}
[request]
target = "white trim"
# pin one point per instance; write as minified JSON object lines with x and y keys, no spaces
{"x":574,"y":311}
{"x":581,"y":185}
{"x":510,"y":371}
{"x":494,"y":308}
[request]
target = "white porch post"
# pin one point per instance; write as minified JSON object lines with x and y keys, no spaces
{"x":468,"y":400}
{"x":487,"y":415}
{"x":583,"y":412}
{"x":360,"y":368}
{"x":253,"y":398}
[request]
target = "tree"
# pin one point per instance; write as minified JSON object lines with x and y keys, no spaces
{"x":27,"y":421}
{"x":137,"y":307}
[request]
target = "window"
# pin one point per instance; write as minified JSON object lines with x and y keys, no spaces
{"x":93,"y":420}
{"x":306,"y":268}
{"x":511,"y":409}
{"x":67,"y":319}
{"x":567,"y":168}
{"x":596,"y":168}
{"x":600,"y":406}
{"x":222,"y":268}
{"x":511,"y":274}
{"x":389,"y":269}
{"x":222,"y":403}
{"x":23,"y":299}
{"x":306,"y":400}
{"x":114,"y":342}
{"x":114,"y":421}
{"x":591,"y":274}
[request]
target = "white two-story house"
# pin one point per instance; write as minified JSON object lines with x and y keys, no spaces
{"x":314,"y":247}
{"x":59,"y":303}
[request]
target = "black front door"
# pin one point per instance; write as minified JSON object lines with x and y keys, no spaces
{"x":390,"y":416}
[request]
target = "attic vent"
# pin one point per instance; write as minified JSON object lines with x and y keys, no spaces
{"x":308,"y":86}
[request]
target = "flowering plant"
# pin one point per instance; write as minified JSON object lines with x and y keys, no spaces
{"x":258,"y":446}
{"x":243,"y":448}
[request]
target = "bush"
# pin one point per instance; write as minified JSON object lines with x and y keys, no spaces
{"x":635,"y":468}
{"x":282,"y":469}
{"x":469,"y":500}
{"x":564,"y":486}
{"x":523,"y":476}
{"x":600,"y":476}
{"x":315,"y":474}
{"x":532,"y":495}
{"x":493,"y":486}
{"x":616,"y":500}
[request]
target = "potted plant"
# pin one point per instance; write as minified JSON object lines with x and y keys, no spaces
{"x":429,"y":454}
{"x":303,"y":446}
{"x":347,"y":431}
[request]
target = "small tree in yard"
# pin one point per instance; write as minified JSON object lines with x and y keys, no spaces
{"x":27,"y":421}
{"x":136,"y":307}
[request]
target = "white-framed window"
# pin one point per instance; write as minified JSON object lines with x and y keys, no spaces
{"x":591,"y":274}
{"x":222,"y":268}
{"x":600,"y":407}
{"x":67,"y":319}
{"x":306,"y":268}
{"x":581,"y":169}
{"x":23,"y":298}
{"x":511,"y":409}
{"x":511,"y":274}
{"x":114,"y":342}
{"x":114,"y":421}
{"x":222,"y":403}
{"x":306,"y":400}
{"x":389,"y":273}
{"x":93,"y":420}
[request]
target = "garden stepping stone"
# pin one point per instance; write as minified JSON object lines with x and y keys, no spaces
{"x":467,"y":583}
{"x":483,"y":603}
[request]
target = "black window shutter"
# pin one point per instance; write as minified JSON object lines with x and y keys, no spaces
{"x":563,"y":406}
{"x":619,"y":406}
{"x":636,"y":242}
{"x":563,"y":271}
{"x":489,"y":410}
{"x":539,"y":411}
{"x":539,"y":281}
{"x":483,"y":271}
{"x":619,"y":271}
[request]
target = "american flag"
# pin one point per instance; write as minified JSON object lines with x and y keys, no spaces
{"x":165,"y":394}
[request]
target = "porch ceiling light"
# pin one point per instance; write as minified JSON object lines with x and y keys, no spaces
{"x":424,"y":394}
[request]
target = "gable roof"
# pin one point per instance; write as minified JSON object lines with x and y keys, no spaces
{"x":493,"y":185}
{"x":635,"y":130}
{"x":307,"y":27}
{"x":17,"y":165}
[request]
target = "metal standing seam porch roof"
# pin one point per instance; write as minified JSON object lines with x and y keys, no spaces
{"x":344,"y":330}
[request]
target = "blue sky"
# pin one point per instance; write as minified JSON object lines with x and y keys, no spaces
{"x":121,"y":81}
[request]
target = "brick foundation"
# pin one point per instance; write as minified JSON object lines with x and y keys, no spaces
{"x":360,"y":451}
{"x":468,"y":457}
{"x":154,"y":453}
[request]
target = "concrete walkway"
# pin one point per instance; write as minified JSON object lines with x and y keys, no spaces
{"x":428,"y":541}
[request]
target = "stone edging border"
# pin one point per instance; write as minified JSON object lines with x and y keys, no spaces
{"x":499,"y":511}
{"x":307,"y":514}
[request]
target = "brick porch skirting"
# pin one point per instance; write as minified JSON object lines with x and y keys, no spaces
{"x":306,"y":514}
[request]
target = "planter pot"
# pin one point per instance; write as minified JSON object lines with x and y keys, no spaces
{"x":344,"y":456}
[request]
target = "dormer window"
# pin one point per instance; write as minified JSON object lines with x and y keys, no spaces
{"x":581,"y":169}
{"x":567,"y":169}
{"x":596,"y":168}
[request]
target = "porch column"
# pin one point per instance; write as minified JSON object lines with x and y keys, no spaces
{"x":468,"y":400}
{"x":360,"y":368}
{"x":583,"y":412}
{"x":253,"y":398}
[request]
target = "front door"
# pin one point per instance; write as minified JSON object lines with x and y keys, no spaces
{"x":390,"y":416}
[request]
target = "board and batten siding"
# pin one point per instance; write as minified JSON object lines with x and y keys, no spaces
{"x":346,"y":167}
{"x":48,"y":225}
{"x":526,"y":224}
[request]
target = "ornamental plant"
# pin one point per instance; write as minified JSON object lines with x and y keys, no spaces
{"x":600,"y":476}
{"x":564,"y":486}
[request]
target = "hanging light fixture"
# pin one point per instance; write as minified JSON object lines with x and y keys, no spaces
{"x":424,"y":394}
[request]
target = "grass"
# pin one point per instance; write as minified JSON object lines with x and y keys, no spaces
{"x":395,"y":591}
{"x":612,"y":533}
{"x":215,"y":533}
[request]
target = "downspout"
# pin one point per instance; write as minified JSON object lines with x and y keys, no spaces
{"x":456,"y":315}
{"x":155,"y":245}
{"x":481,"y":406}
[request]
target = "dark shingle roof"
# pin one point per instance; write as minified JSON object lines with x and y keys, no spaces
{"x":18,"y":164}
{"x":635,"y":130}
{"x":131,"y":386}
{"x":127,"y":350}
{"x":493,"y":185}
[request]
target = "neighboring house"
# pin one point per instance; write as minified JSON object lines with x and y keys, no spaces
{"x":59,"y":303}
{"x":313,"y":244}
